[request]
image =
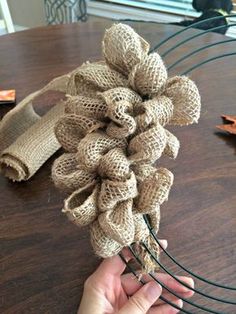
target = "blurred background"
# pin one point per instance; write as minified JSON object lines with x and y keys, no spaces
{"x":16,"y":15}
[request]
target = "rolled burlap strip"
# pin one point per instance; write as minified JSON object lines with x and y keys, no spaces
{"x":26,"y":139}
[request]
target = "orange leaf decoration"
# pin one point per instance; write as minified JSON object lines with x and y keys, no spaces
{"x":7,"y":95}
{"x":230,"y":124}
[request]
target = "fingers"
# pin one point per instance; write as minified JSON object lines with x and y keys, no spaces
{"x":166,"y":308}
{"x":130,"y":283}
{"x":172,"y":298}
{"x":113,"y":265}
{"x":173,"y":284}
{"x":179,"y":289}
{"x":143,"y":299}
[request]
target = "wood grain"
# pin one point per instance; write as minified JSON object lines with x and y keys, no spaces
{"x":44,"y":259}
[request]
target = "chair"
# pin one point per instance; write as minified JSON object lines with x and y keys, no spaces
{"x":65,"y":11}
{"x":6,"y":16}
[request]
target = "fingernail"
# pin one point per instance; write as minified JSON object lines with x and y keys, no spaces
{"x":164,"y":243}
{"x":189,"y":281}
{"x":153,"y":290}
{"x":179,"y":304}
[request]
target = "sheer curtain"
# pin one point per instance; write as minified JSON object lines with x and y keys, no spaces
{"x":175,"y":7}
{"x":163,"y":11}
{"x":178,"y":7}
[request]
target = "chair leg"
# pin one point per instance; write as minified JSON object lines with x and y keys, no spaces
{"x":7,"y":16}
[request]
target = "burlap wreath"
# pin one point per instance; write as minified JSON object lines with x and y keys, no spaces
{"x":113,"y":131}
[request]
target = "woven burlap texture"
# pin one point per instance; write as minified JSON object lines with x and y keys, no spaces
{"x":27,"y":140}
{"x":113,"y":132}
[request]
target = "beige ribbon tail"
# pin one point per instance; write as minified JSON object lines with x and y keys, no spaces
{"x":26,"y":139}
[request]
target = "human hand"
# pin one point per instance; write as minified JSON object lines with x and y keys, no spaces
{"x":107,"y":291}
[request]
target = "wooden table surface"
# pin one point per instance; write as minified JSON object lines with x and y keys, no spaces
{"x":44,"y":259}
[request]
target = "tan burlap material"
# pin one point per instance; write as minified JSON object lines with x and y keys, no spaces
{"x":113,"y":131}
{"x":112,"y":128}
{"x":26,"y":139}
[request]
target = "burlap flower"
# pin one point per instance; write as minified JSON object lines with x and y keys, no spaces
{"x":113,"y":131}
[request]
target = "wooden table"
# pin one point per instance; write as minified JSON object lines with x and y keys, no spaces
{"x":44,"y":258}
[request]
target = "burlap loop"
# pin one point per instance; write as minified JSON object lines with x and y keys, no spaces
{"x":113,"y":192}
{"x":154,"y":190}
{"x":93,"y":146}
{"x":114,"y":165}
{"x":78,"y":86}
{"x":119,"y":223}
{"x":72,"y":128}
{"x":141,"y":231}
{"x":102,"y":244}
{"x":123,"y":48}
{"x":126,"y":102}
{"x":157,"y":110}
{"x":118,"y":94}
{"x":172,"y":145}
{"x":155,"y":217}
{"x":123,"y":124}
{"x":143,"y":170}
{"x":149,"y":145}
{"x":184,"y":94}
{"x":68,"y":175}
{"x":149,"y":76}
{"x":95,"y":77}
{"x":86,"y":106}
{"x":81,"y":206}
{"x":121,"y":103}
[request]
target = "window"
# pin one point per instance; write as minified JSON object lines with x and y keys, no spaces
{"x":179,"y":7}
{"x":156,"y":10}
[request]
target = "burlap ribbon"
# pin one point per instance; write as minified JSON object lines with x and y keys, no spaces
{"x":26,"y":139}
{"x":113,"y":131}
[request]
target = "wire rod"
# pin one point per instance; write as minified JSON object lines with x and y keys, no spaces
{"x":205,"y":309}
{"x":188,"y":27}
{"x":143,"y":283}
{"x":207,"y":61}
{"x":184,"y":284}
{"x":171,"y":291}
{"x":138,"y":21}
{"x":199,"y":50}
{"x":183,"y":267}
{"x":194,"y":36}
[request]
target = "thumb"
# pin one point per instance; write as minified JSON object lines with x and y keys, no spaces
{"x":143,"y":299}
